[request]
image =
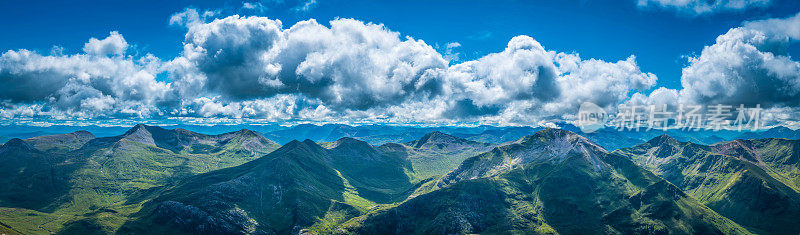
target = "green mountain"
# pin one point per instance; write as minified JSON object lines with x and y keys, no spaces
{"x":281,"y":192}
{"x":748,"y":181}
{"x":31,"y":178}
{"x":437,"y":153}
{"x":94,"y":187}
{"x":551,"y":182}
{"x":60,"y":143}
{"x":153,"y":180}
{"x":780,"y":157}
{"x":35,"y":171}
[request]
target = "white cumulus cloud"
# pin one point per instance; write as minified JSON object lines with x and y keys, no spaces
{"x":114,"y":44}
{"x":349,"y":65}
{"x":255,"y":67}
{"x":747,"y":65}
{"x":101,"y":82}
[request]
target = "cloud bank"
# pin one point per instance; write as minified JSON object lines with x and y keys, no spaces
{"x":747,"y":65}
{"x":86,"y":85}
{"x":348,"y":70}
{"x":255,"y":67}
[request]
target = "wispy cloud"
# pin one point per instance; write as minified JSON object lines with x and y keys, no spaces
{"x":703,"y":7}
{"x":481,"y":35}
{"x":305,"y":6}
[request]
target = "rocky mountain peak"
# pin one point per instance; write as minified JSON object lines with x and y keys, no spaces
{"x":555,"y":135}
{"x":247,"y":133}
{"x":139,"y":133}
{"x":552,"y":133}
{"x":296,"y":144}
{"x":138,"y":127}
{"x":662,"y":140}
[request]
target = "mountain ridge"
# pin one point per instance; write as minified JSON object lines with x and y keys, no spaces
{"x":730,"y":177}
{"x":100,"y":183}
{"x":174,"y":180}
{"x":527,"y":188}
{"x":298,"y":166}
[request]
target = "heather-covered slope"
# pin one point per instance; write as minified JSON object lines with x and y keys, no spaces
{"x":552,"y":182}
{"x":732,"y":178}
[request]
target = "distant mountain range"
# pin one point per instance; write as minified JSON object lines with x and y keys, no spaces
{"x":354,"y":180}
{"x":378,"y":134}
{"x":610,"y":138}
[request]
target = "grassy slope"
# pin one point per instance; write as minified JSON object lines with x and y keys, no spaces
{"x":293,"y":187}
{"x":108,"y":179}
{"x":258,"y":188}
{"x":518,"y":191}
{"x":734,"y":185}
{"x":335,"y":193}
{"x":779,"y":157}
{"x":437,"y":153}
{"x":124,"y":173}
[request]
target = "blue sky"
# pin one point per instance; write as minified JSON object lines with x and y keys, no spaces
{"x":662,"y":38}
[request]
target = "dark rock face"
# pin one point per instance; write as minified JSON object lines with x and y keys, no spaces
{"x":191,"y":218}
